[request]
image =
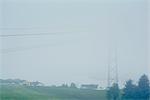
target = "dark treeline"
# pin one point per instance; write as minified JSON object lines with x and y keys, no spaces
{"x":131,"y":91}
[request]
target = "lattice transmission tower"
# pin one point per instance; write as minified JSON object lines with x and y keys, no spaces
{"x":112,"y":64}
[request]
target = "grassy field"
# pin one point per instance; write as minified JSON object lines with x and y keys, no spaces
{"x":49,"y":93}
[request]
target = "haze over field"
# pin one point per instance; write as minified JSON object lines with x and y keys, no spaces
{"x":77,"y":49}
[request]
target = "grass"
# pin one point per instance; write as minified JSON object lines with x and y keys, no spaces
{"x":49,"y":93}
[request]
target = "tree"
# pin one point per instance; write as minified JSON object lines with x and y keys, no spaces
{"x":144,"y":88}
{"x":73,"y":85}
{"x":64,"y":86}
{"x":108,"y":94}
{"x":113,"y":92}
{"x":129,"y":90}
{"x":140,"y":91}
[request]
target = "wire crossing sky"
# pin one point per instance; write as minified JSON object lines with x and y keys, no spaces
{"x":35,"y":34}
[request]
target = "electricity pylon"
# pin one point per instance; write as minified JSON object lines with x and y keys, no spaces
{"x":112,"y":64}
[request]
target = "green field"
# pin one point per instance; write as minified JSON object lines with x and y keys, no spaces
{"x":49,"y":93}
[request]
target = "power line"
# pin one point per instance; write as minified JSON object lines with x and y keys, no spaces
{"x":11,"y":50}
{"x":22,"y":28}
{"x":36,"y":34}
{"x":33,"y":34}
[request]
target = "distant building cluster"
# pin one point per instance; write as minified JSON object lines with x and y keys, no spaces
{"x":89,"y":86}
{"x":37,"y":83}
{"x":19,"y":82}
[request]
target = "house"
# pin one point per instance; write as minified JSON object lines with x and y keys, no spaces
{"x":89,"y":86}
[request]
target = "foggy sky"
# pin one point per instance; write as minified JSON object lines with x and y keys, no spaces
{"x":77,"y":49}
